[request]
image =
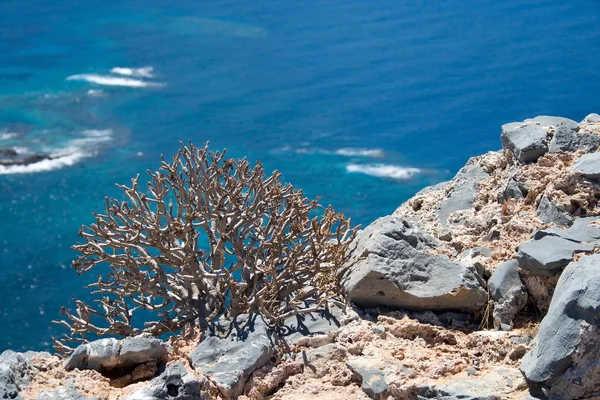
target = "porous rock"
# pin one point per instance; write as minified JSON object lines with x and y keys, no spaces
{"x":566,"y":140}
{"x":564,"y":363}
{"x":548,"y":256}
{"x":588,"y":166}
{"x":175,"y":383}
{"x":388,"y":266}
{"x":593,"y":117}
{"x":229,"y":361}
{"x":16,"y":372}
{"x":527,"y":141}
{"x":508,"y":292}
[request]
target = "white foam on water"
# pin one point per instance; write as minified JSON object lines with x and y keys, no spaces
{"x":75,"y":150}
{"x":96,"y":93}
{"x":108,"y":80}
{"x":44,"y":165}
{"x":7,"y":135}
{"x":384,"y":171}
{"x":145,"y":72}
{"x":346,"y":151}
{"x":350,"y":152}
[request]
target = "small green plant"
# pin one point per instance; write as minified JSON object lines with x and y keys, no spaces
{"x":210,"y":237}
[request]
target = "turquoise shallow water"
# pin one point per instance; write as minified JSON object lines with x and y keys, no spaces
{"x":343,"y":97}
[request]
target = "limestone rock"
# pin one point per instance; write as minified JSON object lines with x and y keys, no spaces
{"x":588,"y":166}
{"x":68,"y":393}
{"x":508,"y":292}
{"x":565,"y":363}
{"x":527,"y":141}
{"x":548,"y":256}
{"x":463,"y":189}
{"x":141,"y":349}
{"x":565,"y":140}
{"x":323,"y":322}
{"x":175,"y":383}
{"x":14,"y":374}
{"x":230,"y":361}
{"x":579,"y":232}
{"x":550,"y":214}
{"x":512,"y":191}
{"x":557,"y":122}
{"x":592,"y":118}
{"x":388,"y":266}
{"x":492,"y":385}
{"x":96,"y":355}
{"x":371,"y":376}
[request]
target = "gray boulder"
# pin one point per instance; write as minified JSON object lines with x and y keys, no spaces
{"x":173,"y":384}
{"x":588,"y":166}
{"x":564,"y":363}
{"x":230,"y":361}
{"x":579,"y":232}
{"x":110,"y":353}
{"x":388,"y":266}
{"x":548,"y":256}
{"x":547,"y":212}
{"x":96,"y":355}
{"x":478,"y":258}
{"x":592,"y":118}
{"x":141,"y":349}
{"x":372,"y":379}
{"x":527,"y":141}
{"x":461,"y":191}
{"x":508,"y":292}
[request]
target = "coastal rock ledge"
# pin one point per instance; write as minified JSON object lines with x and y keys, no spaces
{"x":483,"y":287}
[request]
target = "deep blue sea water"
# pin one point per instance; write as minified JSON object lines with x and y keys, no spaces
{"x":359,"y":102}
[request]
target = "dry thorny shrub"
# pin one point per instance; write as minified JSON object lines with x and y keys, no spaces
{"x":212,"y":237}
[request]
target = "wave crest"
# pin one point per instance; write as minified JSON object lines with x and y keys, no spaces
{"x":145,"y":72}
{"x":384,"y":171}
{"x":108,"y":80}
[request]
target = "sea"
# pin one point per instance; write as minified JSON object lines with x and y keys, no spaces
{"x":360,"y":103}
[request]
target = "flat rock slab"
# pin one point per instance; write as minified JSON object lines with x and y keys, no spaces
{"x":548,"y":256}
{"x":565,"y":363}
{"x":317,"y":323}
{"x":175,"y":383}
{"x":495,"y":384}
{"x":372,"y":376}
{"x":588,"y":166}
{"x":386,"y":267}
{"x":579,"y":232}
{"x":68,"y":393}
{"x":549,"y":213}
{"x":508,"y":292}
{"x":230,"y":361}
{"x":462,"y":190}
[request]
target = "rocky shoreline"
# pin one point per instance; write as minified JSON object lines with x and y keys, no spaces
{"x":483,"y":287}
